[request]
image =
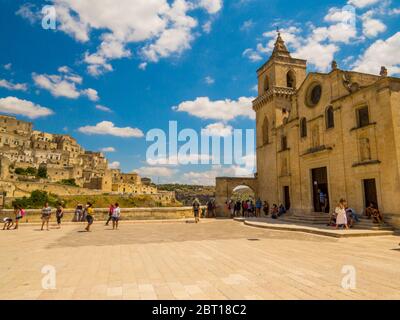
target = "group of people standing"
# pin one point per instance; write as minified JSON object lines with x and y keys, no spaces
{"x":82,"y":213}
{"x":247,"y":208}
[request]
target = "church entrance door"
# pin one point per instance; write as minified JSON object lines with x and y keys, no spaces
{"x":320,"y":189}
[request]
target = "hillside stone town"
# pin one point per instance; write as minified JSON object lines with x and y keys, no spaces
{"x":67,"y":167}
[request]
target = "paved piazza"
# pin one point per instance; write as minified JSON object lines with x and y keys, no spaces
{"x":217,"y":259}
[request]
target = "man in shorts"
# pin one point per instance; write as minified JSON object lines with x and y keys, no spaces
{"x":46,"y":214}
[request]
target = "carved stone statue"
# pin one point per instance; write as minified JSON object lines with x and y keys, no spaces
{"x":315,"y":141}
{"x":365,"y":149}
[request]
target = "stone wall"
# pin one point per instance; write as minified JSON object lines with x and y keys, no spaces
{"x":33,"y":216}
{"x":21,"y":189}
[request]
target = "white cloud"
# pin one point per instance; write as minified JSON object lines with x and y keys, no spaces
{"x":381,"y":53}
{"x":29,"y":12}
{"x":371,"y":26}
{"x":114,"y":165}
{"x":103,"y":108}
{"x":7,"y":66}
{"x":318,"y":44}
{"x":218,"y":129}
{"x":15,"y":106}
{"x":320,"y":55}
{"x":13,"y":86}
{"x":362,"y":3}
{"x":209,"y":80}
{"x":394,"y":11}
{"x":212,"y":6}
{"x":57,"y":86}
{"x":108,"y":128}
{"x":64,"y":84}
{"x":207,"y":27}
{"x":225,"y":110}
{"x":91,"y":94}
{"x":143,"y":66}
{"x":155,"y":172}
{"x":108,"y":149}
{"x":162,"y":28}
{"x":247,"y":25}
{"x":252,"y":55}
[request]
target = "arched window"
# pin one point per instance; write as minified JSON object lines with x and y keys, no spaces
{"x":330,"y":118}
{"x":303,"y":127}
{"x":291,"y":79}
{"x":265,"y":131}
{"x":266,"y":83}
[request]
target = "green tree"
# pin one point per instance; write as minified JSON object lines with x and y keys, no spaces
{"x":42,"y":172}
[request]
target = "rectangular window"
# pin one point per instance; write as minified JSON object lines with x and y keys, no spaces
{"x":363,"y":117}
{"x":284,"y":143}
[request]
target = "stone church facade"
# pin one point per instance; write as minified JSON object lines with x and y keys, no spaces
{"x":336,"y":132}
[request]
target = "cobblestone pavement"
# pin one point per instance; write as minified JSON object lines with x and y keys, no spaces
{"x":212,"y":260}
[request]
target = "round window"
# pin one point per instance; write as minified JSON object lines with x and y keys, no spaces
{"x":314,"y":95}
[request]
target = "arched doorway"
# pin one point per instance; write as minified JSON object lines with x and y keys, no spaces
{"x":226,"y":188}
{"x":243,"y":193}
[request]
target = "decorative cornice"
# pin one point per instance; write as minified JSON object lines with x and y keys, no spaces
{"x":282,"y":92}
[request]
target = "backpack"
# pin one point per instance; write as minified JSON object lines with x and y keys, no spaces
{"x":22,"y":213}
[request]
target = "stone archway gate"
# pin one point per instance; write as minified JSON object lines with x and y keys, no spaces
{"x":224,"y":190}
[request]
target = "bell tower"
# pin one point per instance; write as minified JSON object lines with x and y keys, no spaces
{"x":278,"y":80}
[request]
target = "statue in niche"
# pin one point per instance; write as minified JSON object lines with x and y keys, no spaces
{"x":284,"y":170}
{"x":315,"y":142}
{"x":365,"y":149}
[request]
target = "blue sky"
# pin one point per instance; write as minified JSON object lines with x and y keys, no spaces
{"x":149,"y":62}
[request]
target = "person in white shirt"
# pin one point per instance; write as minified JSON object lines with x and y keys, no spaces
{"x":116,"y":215}
{"x":341,"y":216}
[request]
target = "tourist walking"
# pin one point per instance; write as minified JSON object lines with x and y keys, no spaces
{"x":341,"y":217}
{"x":18,"y":215}
{"x":110,"y":214}
{"x":59,"y":215}
{"x":78,"y":213}
{"x":196,"y":210}
{"x":116,"y":215}
{"x":46,"y":214}
{"x":258,"y":208}
{"x":89,"y":216}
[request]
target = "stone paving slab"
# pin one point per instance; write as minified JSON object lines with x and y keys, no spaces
{"x":318,"y":230}
{"x":220,"y":259}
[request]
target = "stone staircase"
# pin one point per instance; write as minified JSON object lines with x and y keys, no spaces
{"x":312,"y":218}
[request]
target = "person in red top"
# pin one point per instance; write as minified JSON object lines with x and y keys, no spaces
{"x":110,"y":213}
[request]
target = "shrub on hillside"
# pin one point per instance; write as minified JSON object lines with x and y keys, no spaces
{"x":36,"y":200}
